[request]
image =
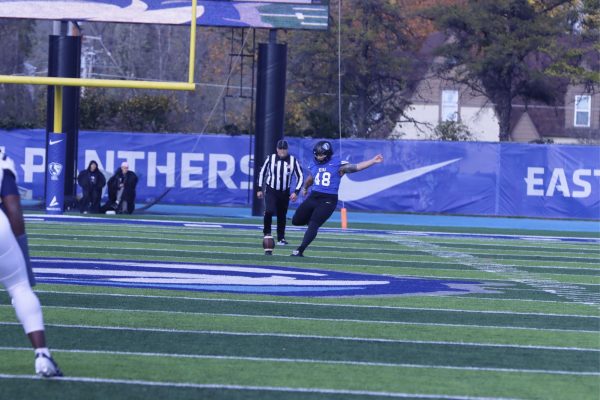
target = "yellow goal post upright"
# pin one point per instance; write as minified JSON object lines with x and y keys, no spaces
{"x":59,"y":82}
{"x":56,"y":149}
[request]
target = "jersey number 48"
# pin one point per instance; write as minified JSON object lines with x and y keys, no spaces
{"x":323,"y":179}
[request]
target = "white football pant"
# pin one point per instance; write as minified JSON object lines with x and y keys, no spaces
{"x":13,"y":276}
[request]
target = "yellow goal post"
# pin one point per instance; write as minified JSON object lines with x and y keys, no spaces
{"x":117,"y":83}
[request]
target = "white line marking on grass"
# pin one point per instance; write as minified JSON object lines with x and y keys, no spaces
{"x":283,"y":262}
{"x":195,"y":225}
{"x":305,"y":360}
{"x":562,"y":303}
{"x":331,"y":230}
{"x":255,"y":388}
{"x":568,"y":291}
{"x":313,"y":304}
{"x":225,"y":243}
{"x":300,"y":336}
{"x":88,"y":219}
{"x":483,"y":243}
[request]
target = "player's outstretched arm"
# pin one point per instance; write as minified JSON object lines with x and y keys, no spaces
{"x":350,"y":168}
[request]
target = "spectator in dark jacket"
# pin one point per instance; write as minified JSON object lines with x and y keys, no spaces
{"x":91,"y":181}
{"x":121,"y":191}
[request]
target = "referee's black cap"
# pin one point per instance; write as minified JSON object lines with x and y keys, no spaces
{"x":282,"y":144}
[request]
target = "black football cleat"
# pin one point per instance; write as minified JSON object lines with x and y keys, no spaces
{"x":296,"y":253}
{"x":282,"y":242}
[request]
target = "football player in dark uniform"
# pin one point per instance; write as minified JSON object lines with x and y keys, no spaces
{"x":15,"y":274}
{"x":326,"y":172}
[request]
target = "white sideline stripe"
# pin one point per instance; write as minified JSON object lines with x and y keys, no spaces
{"x":583,"y":259}
{"x":306,"y":360}
{"x":88,"y":219}
{"x":313,"y":304}
{"x":255,"y":388}
{"x":329,"y":230}
{"x":340,"y":231}
{"x":300,"y":336}
{"x":50,"y":226}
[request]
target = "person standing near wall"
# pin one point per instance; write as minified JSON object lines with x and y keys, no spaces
{"x":276,"y":176}
{"x":91,"y":181}
{"x":121,"y":190}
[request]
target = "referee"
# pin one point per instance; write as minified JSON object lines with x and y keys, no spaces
{"x":276,"y":176}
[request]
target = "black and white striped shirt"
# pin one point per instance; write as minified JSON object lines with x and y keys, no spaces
{"x":277,"y":173}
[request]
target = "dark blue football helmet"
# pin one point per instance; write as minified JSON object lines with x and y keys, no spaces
{"x":325,"y":148}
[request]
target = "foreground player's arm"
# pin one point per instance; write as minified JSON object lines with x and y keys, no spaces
{"x":350,"y":168}
{"x":12,"y":209}
{"x":307,"y":183}
{"x":11,"y":205}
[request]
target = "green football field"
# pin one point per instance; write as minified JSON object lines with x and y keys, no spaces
{"x":490,"y":314}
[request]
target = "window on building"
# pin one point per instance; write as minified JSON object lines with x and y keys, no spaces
{"x":449,"y":105}
{"x":582,"y":110}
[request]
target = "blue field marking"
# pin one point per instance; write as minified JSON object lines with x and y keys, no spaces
{"x":248,"y":279}
{"x":258,"y":228}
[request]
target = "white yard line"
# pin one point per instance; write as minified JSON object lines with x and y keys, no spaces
{"x":254,"y":388}
{"x":366,"y":306}
{"x":304,"y":360}
{"x":227,"y":243}
{"x":290,"y":335}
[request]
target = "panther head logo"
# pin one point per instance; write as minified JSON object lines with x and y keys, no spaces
{"x":55,"y":169}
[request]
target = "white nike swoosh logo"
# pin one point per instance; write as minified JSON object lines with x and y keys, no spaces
{"x":352,"y":190}
{"x":55,"y":141}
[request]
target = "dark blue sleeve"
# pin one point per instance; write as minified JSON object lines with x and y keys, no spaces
{"x":9,"y":184}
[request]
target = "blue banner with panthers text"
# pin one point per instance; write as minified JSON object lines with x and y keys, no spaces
{"x":471,"y":178}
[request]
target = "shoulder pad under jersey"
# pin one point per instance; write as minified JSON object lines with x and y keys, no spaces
{"x":7,"y":163}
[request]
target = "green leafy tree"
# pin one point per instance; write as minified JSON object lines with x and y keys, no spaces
{"x":451,"y":131}
{"x":502,"y":49}
{"x":97,"y":109}
{"x":17,"y":102}
{"x":580,"y":62}
{"x":376,"y":66}
{"x":147,"y":113}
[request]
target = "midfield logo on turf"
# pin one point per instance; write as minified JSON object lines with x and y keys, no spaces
{"x":283,"y":281}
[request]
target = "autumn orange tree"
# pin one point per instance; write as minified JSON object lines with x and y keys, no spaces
{"x":378,"y":42}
